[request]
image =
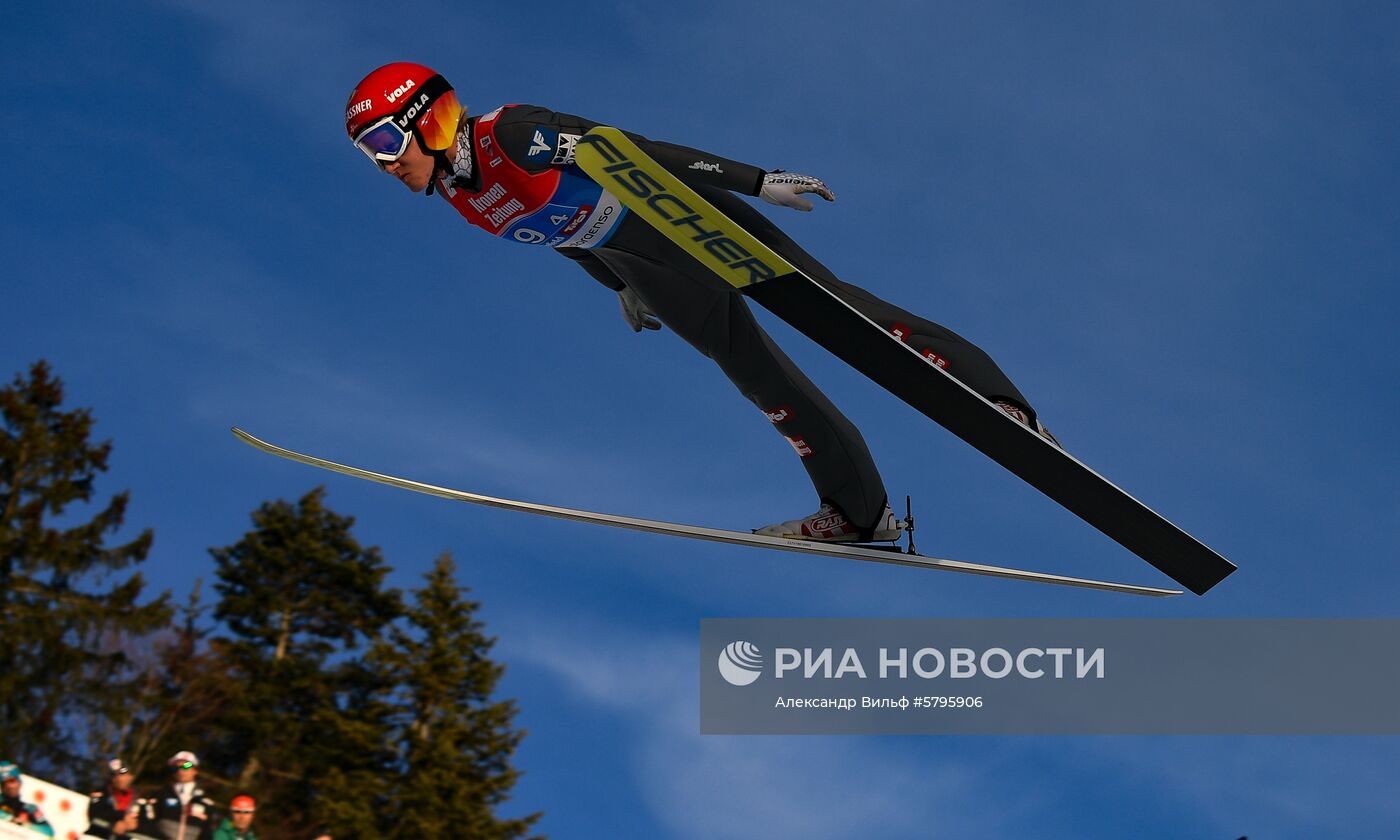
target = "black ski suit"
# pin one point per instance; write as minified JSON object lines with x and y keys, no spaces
{"x":517,"y":148}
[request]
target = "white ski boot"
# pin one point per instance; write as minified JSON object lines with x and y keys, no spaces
{"x":830,"y":525}
{"x":1019,"y":414}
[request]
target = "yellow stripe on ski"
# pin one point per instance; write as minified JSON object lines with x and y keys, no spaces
{"x":676,"y":210}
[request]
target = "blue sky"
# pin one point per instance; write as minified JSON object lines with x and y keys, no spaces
{"x":1175,"y":227}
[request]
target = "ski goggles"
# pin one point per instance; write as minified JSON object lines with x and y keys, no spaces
{"x":384,"y":142}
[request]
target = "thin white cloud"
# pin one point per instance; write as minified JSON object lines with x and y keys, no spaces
{"x":186,"y":285}
{"x":710,"y":786}
{"x":815,"y":787}
{"x":1283,"y":787}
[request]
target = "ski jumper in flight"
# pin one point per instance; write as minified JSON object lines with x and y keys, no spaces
{"x":511,"y":172}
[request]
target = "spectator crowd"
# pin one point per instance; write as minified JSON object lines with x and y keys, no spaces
{"x":179,"y":810}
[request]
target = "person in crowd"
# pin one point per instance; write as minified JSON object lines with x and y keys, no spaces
{"x":14,"y":811}
{"x":239,"y":823}
{"x":180,"y":810}
{"x":115,"y":811}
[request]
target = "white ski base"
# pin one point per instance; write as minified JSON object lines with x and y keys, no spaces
{"x":697,"y":532}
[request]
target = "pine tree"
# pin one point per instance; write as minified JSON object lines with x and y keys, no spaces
{"x":299,"y":595}
{"x":178,"y":702}
{"x":455,"y":741}
{"x":62,"y":597}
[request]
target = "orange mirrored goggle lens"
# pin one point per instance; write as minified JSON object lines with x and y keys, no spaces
{"x":438,"y":126}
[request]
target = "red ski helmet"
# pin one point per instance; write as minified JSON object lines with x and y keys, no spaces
{"x":399,"y":101}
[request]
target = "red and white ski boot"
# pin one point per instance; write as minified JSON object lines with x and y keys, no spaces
{"x":829,"y":524}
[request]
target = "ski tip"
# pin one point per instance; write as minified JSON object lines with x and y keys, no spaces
{"x":247,"y":438}
{"x":1202,"y":583}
